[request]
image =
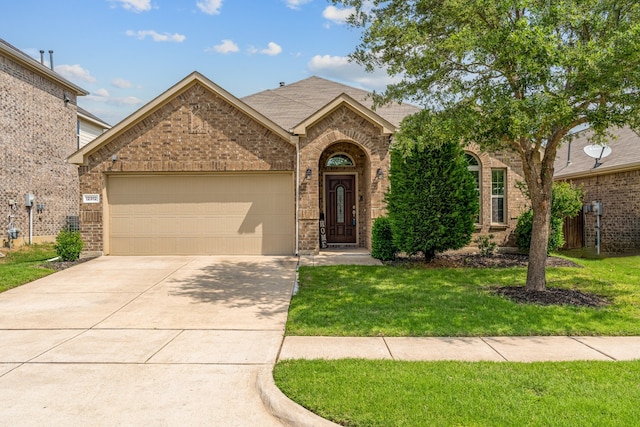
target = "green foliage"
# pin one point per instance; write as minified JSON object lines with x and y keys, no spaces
{"x":432,"y":201}
{"x":486,"y":245}
{"x":566,"y":203}
{"x":68,"y":245}
{"x":525,"y":226}
{"x":382,"y":246}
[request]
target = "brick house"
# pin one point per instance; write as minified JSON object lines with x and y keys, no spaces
{"x":615,"y":183}
{"x":38,"y":121}
{"x":199,"y":171}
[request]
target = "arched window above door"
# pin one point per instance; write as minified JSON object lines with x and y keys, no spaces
{"x":340,"y":160}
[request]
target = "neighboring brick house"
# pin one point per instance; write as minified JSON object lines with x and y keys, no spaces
{"x":38,"y":122}
{"x":199,"y":171}
{"x":615,"y":183}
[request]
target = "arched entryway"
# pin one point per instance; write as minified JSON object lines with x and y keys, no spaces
{"x":344,"y":200}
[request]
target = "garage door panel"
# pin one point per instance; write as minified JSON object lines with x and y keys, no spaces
{"x":201,"y":214}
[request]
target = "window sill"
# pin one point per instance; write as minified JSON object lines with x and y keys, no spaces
{"x":498,"y":227}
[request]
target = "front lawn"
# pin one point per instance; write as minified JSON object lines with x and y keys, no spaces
{"x":400,"y":301}
{"x":362,"y":393}
{"x":24,"y":265}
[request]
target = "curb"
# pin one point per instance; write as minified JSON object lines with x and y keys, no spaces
{"x":284,"y":409}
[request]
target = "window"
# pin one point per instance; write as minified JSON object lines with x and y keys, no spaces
{"x":474,"y":168}
{"x":339,"y":160}
{"x":497,"y":195}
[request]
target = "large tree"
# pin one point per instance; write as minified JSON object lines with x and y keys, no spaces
{"x":515,"y":75}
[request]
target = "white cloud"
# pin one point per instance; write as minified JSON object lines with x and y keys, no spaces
{"x":75,"y":73}
{"x":338,"y":16}
{"x":102,"y":92}
{"x":121,"y":83}
{"x":210,"y":7}
{"x":227,"y":46}
{"x":273,"y":49}
{"x":340,"y":68}
{"x":157,"y":37}
{"x":102,"y":96}
{"x":135,"y":5}
{"x":295,"y":4}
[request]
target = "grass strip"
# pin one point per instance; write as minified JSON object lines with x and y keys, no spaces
{"x":24,"y":265}
{"x":361,"y":393}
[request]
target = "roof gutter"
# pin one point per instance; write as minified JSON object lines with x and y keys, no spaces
{"x":598,"y":172}
{"x":30,"y":63}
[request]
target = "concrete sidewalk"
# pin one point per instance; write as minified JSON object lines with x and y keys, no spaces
{"x":495,"y":349}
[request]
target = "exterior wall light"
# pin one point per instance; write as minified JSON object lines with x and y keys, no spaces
{"x":307,"y":175}
{"x":379,"y":174}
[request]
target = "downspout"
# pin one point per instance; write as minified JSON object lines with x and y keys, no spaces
{"x":296,"y":140}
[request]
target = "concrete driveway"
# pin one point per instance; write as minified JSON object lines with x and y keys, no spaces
{"x":153,"y":341}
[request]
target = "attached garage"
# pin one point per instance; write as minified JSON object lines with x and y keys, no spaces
{"x":204,"y":214}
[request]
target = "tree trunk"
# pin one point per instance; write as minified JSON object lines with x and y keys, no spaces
{"x":536,"y":271}
{"x":539,"y":177}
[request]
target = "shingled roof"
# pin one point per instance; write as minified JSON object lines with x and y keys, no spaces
{"x":291,"y":104}
{"x":625,"y":155}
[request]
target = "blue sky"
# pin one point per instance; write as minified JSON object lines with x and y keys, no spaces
{"x":127,"y":52}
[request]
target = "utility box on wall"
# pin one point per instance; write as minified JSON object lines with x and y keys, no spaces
{"x":29,"y":200}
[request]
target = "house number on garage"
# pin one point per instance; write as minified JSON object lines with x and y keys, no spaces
{"x":90,"y":198}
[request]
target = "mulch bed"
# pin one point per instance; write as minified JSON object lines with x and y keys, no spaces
{"x":62,"y":265}
{"x":518,"y":294}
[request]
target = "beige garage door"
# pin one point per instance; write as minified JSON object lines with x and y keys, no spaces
{"x":221,"y":214}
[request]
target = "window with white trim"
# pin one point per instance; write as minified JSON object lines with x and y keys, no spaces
{"x":474,"y":168}
{"x":497,"y":195}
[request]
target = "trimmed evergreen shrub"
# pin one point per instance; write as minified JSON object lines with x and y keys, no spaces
{"x":68,"y":245}
{"x":432,"y":202}
{"x":382,"y":246}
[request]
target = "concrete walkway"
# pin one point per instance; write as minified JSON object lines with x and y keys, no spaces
{"x":494,"y":349}
{"x":144,"y":341}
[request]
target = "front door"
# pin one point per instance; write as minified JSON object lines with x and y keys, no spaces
{"x":340,"y":208}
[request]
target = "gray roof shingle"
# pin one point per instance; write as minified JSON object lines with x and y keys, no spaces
{"x":625,"y":153}
{"x":291,"y":104}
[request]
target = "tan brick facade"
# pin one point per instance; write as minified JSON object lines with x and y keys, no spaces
{"x":515,"y":201}
{"x":196,"y":131}
{"x":196,"y":127}
{"x":346,"y":132}
{"x":619,"y":194}
{"x":38,"y":133}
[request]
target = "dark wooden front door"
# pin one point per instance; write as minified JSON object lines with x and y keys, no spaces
{"x":341,"y":208}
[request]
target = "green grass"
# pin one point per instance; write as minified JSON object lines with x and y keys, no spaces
{"x":23,"y":265}
{"x":413,"y":394}
{"x":400,"y":301}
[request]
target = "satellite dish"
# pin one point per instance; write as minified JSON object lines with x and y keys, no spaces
{"x":597,"y":152}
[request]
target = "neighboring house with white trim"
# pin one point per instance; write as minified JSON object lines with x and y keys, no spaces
{"x":200,"y":171}
{"x":89,"y":127}
{"x":615,"y":183}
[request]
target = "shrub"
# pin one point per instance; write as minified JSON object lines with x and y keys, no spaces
{"x":382,"y":246}
{"x":525,"y":227}
{"x":68,"y":245}
{"x":486,"y":245}
{"x":432,"y":202}
{"x":566,"y":202}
